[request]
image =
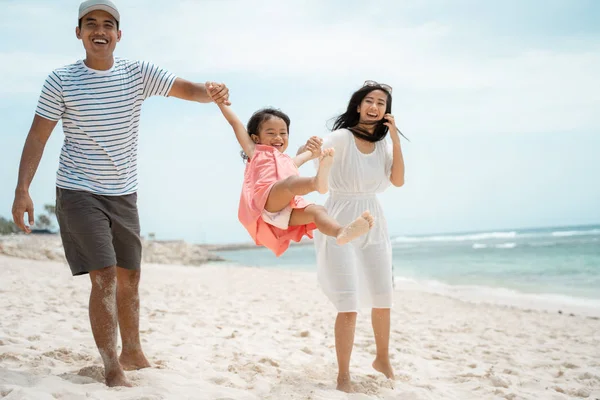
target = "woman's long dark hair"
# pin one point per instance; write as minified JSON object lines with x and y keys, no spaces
{"x":260,"y":116}
{"x":350,"y":119}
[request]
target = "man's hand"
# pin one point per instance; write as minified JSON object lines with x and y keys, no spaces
{"x":23,"y":204}
{"x":218,"y":92}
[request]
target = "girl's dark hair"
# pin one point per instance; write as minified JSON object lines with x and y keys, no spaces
{"x":350,"y":119}
{"x":260,"y":116}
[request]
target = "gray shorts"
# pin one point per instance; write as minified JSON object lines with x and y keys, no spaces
{"x":98,"y":231}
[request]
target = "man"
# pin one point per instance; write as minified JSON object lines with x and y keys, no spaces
{"x":99,"y":100}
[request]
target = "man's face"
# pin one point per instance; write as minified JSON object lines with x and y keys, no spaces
{"x":99,"y":34}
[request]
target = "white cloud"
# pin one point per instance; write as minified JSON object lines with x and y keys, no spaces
{"x":516,"y":90}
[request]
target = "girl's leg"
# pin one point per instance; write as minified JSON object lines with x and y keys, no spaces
{"x":380,"y":318}
{"x":329,"y":226}
{"x":286,"y":189}
{"x":345,"y":325}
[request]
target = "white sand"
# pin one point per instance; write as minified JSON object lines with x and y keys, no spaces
{"x":222,"y":332}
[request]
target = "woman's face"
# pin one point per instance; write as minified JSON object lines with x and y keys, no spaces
{"x":372,"y":107}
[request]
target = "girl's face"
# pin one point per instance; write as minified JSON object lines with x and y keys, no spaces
{"x":372,"y":107}
{"x":273,"y":132}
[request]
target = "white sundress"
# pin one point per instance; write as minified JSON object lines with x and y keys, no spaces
{"x":358,"y":274}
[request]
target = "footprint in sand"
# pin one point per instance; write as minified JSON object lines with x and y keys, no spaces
{"x":95,"y":372}
{"x":9,"y":357}
{"x":272,"y":363}
{"x":569,"y":365}
{"x":78,"y":380}
{"x":67,"y":356}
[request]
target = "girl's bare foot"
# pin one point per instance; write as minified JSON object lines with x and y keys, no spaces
{"x":384,"y":367}
{"x":356,"y":228}
{"x":322,"y":178}
{"x":344,"y":383}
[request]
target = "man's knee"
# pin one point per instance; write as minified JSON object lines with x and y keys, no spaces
{"x":103,"y":279}
{"x":128,"y":279}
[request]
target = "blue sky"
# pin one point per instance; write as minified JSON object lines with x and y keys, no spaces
{"x":499,"y":99}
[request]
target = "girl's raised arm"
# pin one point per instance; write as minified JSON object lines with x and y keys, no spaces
{"x":240,"y":130}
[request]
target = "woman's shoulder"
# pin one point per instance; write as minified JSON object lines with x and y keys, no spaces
{"x":337,"y":138}
{"x":341,"y":132}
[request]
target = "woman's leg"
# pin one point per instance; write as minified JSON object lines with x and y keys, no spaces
{"x":376,"y":262}
{"x":380,"y":318}
{"x":345,"y":325}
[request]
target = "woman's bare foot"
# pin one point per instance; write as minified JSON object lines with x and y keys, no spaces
{"x":322,"y":178}
{"x":384,"y":367}
{"x":356,"y":228}
{"x":344,"y":383}
{"x":117,"y":378}
{"x":133,"y":361}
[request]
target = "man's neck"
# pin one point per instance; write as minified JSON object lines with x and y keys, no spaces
{"x":99,"y":64}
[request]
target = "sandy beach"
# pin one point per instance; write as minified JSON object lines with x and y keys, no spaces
{"x":219,"y":331}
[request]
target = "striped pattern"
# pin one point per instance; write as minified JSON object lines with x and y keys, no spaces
{"x":100,"y":113}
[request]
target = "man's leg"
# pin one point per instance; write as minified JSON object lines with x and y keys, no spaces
{"x":128,"y":305}
{"x":128,"y":249}
{"x":103,"y":318}
{"x":87,"y":240}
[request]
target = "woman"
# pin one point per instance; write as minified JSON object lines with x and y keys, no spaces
{"x":360,"y":275}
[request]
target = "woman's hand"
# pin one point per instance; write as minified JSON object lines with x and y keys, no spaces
{"x":314,"y":146}
{"x":391,"y":124}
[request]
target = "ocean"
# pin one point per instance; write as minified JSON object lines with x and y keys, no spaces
{"x":559,"y":265}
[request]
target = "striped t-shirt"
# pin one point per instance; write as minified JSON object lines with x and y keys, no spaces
{"x":100,"y":113}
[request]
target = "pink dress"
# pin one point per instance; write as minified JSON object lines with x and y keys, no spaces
{"x":268,"y":166}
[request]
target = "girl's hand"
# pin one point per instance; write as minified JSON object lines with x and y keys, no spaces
{"x":218,"y":92}
{"x":314,"y":146}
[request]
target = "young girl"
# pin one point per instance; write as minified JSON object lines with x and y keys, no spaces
{"x":271,"y":207}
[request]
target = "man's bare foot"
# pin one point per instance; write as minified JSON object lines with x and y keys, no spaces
{"x":117,"y":378}
{"x":384,"y":367}
{"x":356,"y":228}
{"x":133,"y":361}
{"x":344,"y":383}
{"x":322,"y":178}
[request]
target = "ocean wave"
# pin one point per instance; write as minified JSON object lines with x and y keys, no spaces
{"x":499,"y":235}
{"x":504,"y":296}
{"x":576,"y":233}
{"x":455,"y":238}
{"x":506,"y":246}
{"x":509,"y":245}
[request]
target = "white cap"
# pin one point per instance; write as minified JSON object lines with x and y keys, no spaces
{"x":93,"y":5}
